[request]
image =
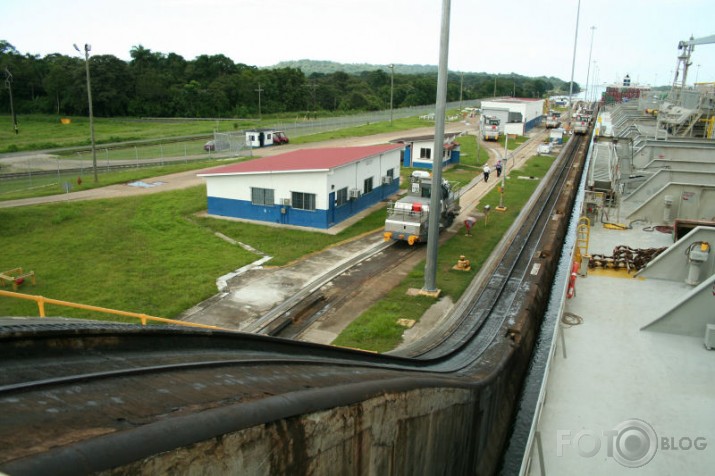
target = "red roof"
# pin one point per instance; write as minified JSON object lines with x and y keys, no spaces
{"x":303,"y":159}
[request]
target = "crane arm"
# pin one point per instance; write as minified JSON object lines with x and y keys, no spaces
{"x":699,"y":41}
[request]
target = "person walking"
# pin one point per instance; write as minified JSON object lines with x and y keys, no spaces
{"x":486,"y":171}
{"x":498,"y":167}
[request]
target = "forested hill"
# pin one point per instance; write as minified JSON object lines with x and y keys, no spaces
{"x":328,"y":67}
{"x":155,"y":84}
{"x":310,"y":67}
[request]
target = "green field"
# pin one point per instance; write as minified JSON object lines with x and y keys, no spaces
{"x":39,"y":132}
{"x":155,"y":255}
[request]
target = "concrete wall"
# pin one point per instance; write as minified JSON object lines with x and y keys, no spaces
{"x":420,"y":432}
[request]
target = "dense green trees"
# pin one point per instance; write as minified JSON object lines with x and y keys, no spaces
{"x":154,"y":84}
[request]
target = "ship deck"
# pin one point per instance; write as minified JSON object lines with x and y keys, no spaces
{"x":617,"y":397}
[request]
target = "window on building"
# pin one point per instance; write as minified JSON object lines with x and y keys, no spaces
{"x":303,"y":201}
{"x":367,"y":188}
{"x":341,"y":197}
{"x":262,"y":196}
{"x":391,"y":173}
{"x":425,"y":153}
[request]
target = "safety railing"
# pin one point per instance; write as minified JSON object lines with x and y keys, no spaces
{"x":143,"y":318}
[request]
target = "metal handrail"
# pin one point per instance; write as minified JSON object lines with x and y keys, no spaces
{"x":144,"y":318}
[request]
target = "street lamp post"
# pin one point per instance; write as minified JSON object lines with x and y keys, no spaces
{"x":392,"y":87}
{"x":87,"y":49}
{"x":430,"y":286}
{"x":588,"y":70}
{"x":573,"y":61}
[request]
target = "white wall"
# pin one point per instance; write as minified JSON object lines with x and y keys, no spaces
{"x":528,"y":109}
{"x":353,"y":175}
{"x":238,"y":187}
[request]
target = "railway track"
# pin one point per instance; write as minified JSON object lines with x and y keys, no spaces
{"x":118,"y":396}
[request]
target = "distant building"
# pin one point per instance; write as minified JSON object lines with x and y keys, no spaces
{"x":419,"y":150}
{"x":518,"y":115}
{"x":308,"y":187}
{"x":627,"y":91}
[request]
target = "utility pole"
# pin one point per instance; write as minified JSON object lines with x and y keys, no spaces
{"x":87,"y":49}
{"x":8,"y":83}
{"x":430,"y":287}
{"x":259,"y":91}
{"x":461,"y":88}
{"x":312,"y":87}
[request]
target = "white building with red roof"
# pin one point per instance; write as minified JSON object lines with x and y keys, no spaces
{"x":309,"y":187}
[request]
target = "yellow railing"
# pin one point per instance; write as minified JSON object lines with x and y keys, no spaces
{"x":144,"y":318}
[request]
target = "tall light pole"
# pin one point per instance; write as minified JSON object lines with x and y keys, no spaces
{"x":430,"y":286}
{"x":573,"y":61}
{"x":392,"y":86}
{"x":87,"y":49}
{"x":588,"y":70}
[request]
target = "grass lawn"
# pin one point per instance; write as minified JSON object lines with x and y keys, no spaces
{"x":148,"y":254}
{"x":153,"y":254}
{"x":38,"y":132}
{"x":44,"y":185}
{"x":377,"y":329}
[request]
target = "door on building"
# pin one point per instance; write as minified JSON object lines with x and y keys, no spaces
{"x":331,"y":209}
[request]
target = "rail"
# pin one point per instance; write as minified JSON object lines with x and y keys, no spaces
{"x":483,"y":359}
{"x":144,"y":318}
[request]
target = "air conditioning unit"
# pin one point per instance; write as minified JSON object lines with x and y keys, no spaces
{"x":355,"y":193}
{"x":710,"y":336}
{"x":285,"y":202}
{"x":387,"y":179}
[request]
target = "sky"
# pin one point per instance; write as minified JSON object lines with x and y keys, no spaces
{"x":531,"y":38}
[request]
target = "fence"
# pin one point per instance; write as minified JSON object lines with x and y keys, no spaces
{"x":46,"y":171}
